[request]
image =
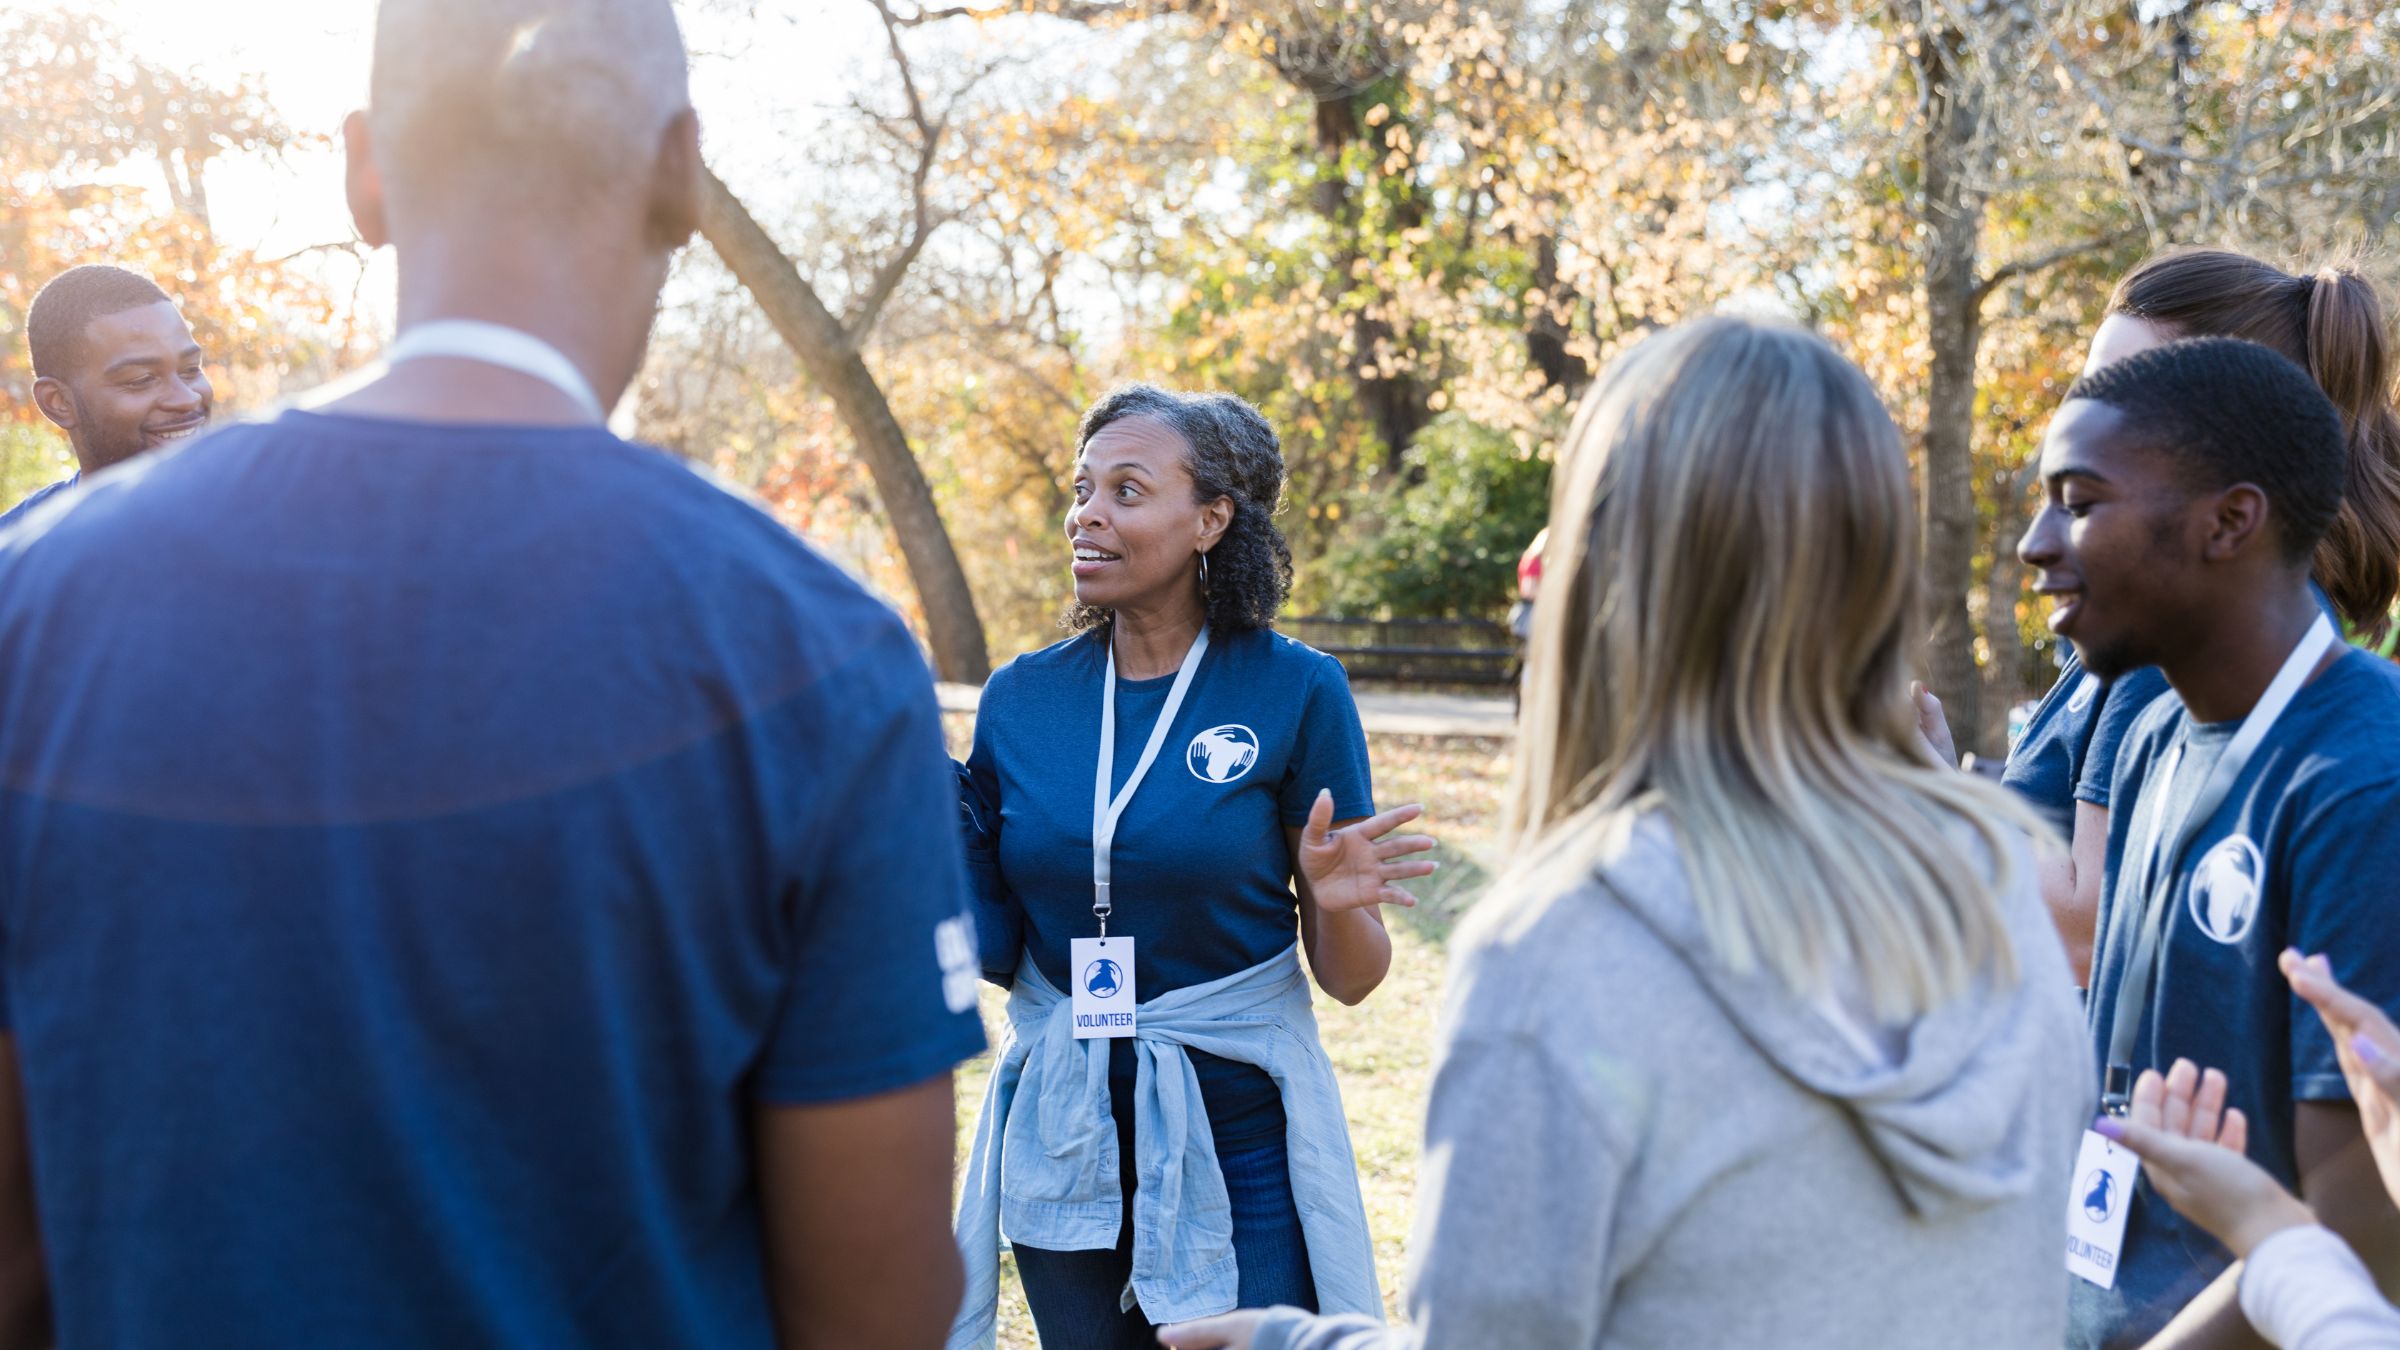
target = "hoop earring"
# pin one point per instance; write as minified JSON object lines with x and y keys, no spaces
{"x":1204,"y":576}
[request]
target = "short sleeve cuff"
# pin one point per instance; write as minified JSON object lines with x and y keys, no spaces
{"x":818,"y":1082}
{"x":2320,"y":1087}
{"x":2094,"y":793}
{"x":1344,"y":808}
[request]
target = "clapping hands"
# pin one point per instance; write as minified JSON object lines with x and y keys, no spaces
{"x":2369,"y":1047}
{"x":2192,"y":1147}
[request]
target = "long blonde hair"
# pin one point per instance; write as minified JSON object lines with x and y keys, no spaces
{"x":1729,"y":603}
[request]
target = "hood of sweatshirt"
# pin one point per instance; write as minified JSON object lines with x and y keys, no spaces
{"x":1945,"y":1102}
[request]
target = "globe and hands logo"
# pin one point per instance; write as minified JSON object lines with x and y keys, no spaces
{"x":1222,"y":754}
{"x":1103,"y":978}
{"x":2099,"y":1195}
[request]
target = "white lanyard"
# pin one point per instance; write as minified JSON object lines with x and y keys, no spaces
{"x":2163,"y":843}
{"x":1105,"y":810}
{"x":497,"y":345}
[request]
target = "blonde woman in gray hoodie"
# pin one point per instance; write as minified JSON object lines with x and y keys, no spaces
{"x":1768,"y":1041}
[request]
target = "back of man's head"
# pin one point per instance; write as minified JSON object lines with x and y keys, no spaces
{"x":2228,"y":411}
{"x":522,"y":102}
{"x":65,"y":307}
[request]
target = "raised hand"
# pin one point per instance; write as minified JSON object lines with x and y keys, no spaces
{"x":1353,"y":867}
{"x":1233,"y":1331}
{"x":1933,"y":726}
{"x":2369,"y":1046}
{"x":2192,"y":1146}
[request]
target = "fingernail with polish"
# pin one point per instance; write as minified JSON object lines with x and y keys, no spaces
{"x":2109,"y":1127}
{"x":2368,"y":1052}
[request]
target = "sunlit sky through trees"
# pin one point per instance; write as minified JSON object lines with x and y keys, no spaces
{"x":1410,"y":231}
{"x":764,"y":79}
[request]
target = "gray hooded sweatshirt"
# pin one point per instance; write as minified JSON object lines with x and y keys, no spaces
{"x":1629,"y":1146}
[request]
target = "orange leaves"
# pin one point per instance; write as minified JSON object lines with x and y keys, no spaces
{"x":85,"y":123}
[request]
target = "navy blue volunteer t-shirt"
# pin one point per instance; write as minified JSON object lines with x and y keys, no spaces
{"x":420,"y":848}
{"x":1200,"y":873}
{"x":2067,"y":752}
{"x":26,"y":507}
{"x":2299,"y":854}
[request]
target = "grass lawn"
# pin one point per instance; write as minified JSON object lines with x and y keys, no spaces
{"x":1382,"y":1049}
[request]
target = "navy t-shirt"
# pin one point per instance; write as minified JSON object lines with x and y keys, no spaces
{"x":1200,"y":873}
{"x":2298,"y":854}
{"x":25,"y":508}
{"x":421,"y":847}
{"x":2067,"y":752}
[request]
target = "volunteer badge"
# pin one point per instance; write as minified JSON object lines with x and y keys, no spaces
{"x":1102,"y":969}
{"x":2097,"y":1208}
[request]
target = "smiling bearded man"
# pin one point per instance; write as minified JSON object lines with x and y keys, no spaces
{"x":115,"y":367}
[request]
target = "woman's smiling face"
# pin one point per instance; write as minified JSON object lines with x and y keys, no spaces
{"x":1135,"y":528}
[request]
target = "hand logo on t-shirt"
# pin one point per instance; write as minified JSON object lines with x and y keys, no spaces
{"x":1222,"y":754}
{"x":2225,"y":889}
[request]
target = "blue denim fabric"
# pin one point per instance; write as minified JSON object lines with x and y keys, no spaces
{"x":1046,"y":1167}
{"x":1077,"y":1297}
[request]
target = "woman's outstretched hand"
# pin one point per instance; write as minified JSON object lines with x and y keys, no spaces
{"x":1353,"y":867}
{"x":2369,"y":1047}
{"x":2192,"y":1145}
{"x":1233,"y":1331}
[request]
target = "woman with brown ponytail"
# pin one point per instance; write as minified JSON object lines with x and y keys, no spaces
{"x":2331,"y":324}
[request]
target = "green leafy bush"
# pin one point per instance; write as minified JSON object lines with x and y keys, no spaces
{"x":1443,"y":542}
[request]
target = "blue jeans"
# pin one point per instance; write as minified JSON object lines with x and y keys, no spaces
{"x":1074,"y":1295}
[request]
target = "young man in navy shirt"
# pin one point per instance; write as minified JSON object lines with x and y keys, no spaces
{"x":115,"y":367}
{"x":466,"y":880}
{"x":2187,"y":489}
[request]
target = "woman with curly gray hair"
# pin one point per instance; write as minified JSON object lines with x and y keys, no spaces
{"x":1162,"y":1137}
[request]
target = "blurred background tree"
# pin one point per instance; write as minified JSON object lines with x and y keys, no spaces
{"x":1410,"y":230}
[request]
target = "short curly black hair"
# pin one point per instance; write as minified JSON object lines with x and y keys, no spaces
{"x":1231,"y":451}
{"x":71,"y":301}
{"x":2229,"y":411}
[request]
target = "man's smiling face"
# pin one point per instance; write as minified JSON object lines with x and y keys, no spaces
{"x":2116,"y":543}
{"x":136,"y":382}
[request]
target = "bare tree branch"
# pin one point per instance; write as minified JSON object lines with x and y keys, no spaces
{"x":353,"y":247}
{"x":1073,"y":11}
{"x":2042,"y":262}
{"x":923,"y":220}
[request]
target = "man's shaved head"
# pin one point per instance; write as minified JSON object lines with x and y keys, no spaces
{"x":535,"y":164}
{"x":522,"y":99}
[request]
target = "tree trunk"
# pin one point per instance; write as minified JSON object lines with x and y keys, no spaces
{"x":1546,"y":330}
{"x":1393,"y":402}
{"x":835,"y":365}
{"x":2004,"y":585}
{"x":1952,"y":213}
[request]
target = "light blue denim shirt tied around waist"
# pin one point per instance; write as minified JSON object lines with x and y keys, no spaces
{"x":1044,"y":1165}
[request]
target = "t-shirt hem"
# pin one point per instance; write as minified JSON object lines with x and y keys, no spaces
{"x":845,"y":1082}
